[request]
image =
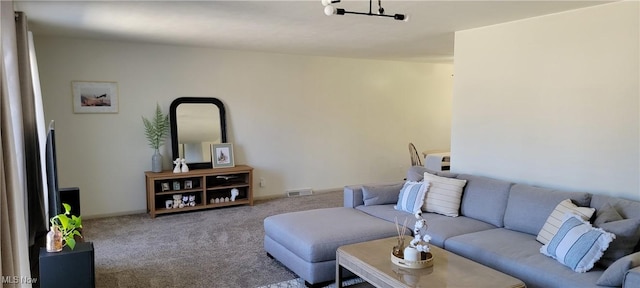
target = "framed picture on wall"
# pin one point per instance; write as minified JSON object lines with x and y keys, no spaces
{"x":95,"y":97}
{"x":222,"y":155}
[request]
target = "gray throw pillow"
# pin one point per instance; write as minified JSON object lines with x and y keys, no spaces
{"x":627,"y":235}
{"x":606,"y":214}
{"x":379,"y":195}
{"x":416,"y":173}
{"x":614,"y":275}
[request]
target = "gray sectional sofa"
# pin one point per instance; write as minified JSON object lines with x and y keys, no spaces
{"x":497,"y":227}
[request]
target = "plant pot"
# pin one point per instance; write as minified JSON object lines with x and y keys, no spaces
{"x":156,"y":162}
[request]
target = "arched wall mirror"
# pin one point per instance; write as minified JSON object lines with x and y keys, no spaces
{"x":196,"y":123}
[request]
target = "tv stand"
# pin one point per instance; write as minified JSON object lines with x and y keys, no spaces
{"x":206,"y":185}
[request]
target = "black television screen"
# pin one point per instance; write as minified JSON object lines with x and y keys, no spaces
{"x":55,"y":207}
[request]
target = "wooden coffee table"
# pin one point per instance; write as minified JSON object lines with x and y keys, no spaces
{"x":371,"y":261}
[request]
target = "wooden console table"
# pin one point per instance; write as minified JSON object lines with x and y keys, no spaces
{"x":205,"y":184}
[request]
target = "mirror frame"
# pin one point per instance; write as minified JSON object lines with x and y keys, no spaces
{"x":174,"y":125}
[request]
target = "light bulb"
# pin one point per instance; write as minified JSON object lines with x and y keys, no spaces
{"x":329,"y":2}
{"x":329,"y":10}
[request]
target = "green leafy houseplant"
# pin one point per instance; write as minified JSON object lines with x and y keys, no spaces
{"x":157,"y":128}
{"x":68,"y":226}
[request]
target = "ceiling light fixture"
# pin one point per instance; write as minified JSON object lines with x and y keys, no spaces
{"x":330,"y":10}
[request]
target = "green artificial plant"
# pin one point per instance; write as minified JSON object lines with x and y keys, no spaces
{"x":68,"y":226}
{"x":157,"y":128}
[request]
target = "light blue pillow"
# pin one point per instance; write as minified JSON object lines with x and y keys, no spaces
{"x":577,"y":244}
{"x":411,"y":196}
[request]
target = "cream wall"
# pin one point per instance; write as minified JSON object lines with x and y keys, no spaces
{"x":302,"y":122}
{"x":552,"y":101}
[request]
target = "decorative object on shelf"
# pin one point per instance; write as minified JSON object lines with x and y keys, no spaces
{"x":177,"y":169}
{"x":168,"y":204}
{"x":222,"y":155}
{"x":330,"y":10}
{"x":192,"y":200}
{"x":95,"y":97}
{"x":67,"y":227}
{"x":176,"y":185}
{"x":156,"y":131}
{"x":234,"y":193}
{"x":177,"y":200}
{"x":212,"y":201}
{"x":188,"y":184}
{"x":54,"y":240}
{"x":165,"y":186}
{"x":185,"y":168}
{"x":226,"y":199}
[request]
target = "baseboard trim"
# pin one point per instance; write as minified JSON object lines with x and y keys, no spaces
{"x":284,"y":195}
{"x":255,"y":198}
{"x":87,"y":217}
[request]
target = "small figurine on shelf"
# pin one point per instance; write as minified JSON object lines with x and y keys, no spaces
{"x":185,"y":168}
{"x":234,"y":194}
{"x":177,"y":200}
{"x":177,"y":168}
{"x":192,"y":200}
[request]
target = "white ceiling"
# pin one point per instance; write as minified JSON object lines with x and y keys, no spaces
{"x":293,"y":27}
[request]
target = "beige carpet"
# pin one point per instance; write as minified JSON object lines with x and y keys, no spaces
{"x":211,"y":248}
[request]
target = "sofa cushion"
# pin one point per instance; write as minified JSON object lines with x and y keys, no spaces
{"x":484,"y":198}
{"x":627,"y":233}
{"x":605,"y":214}
{"x":614,"y":275}
{"x":529,"y":207}
{"x":444,"y":195}
{"x":412,"y":196}
{"x":518,"y":254}
{"x":626,"y":208}
{"x":577,"y":244}
{"x":300,"y":232}
{"x":556,"y":217}
{"x":440,"y":227}
{"x":381,"y":194}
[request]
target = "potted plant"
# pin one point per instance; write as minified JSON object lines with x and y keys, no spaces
{"x":64,"y":227}
{"x":156,"y":131}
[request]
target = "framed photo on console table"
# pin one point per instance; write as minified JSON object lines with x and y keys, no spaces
{"x":222,"y":155}
{"x":95,"y":97}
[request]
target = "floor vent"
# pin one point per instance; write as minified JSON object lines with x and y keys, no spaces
{"x":299,"y":192}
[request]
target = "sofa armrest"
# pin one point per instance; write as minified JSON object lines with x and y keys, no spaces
{"x":353,"y":196}
{"x":632,"y":278}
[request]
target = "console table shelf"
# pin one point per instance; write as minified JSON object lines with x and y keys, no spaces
{"x":205,"y":185}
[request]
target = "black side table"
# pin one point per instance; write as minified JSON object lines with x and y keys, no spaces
{"x":68,"y":268}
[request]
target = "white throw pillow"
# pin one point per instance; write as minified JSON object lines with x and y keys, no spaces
{"x":444,"y":195}
{"x":411,"y":196}
{"x":555,"y":219}
{"x":577,"y":244}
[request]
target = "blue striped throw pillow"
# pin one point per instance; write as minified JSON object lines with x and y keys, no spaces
{"x":577,"y":244}
{"x":411,"y":196}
